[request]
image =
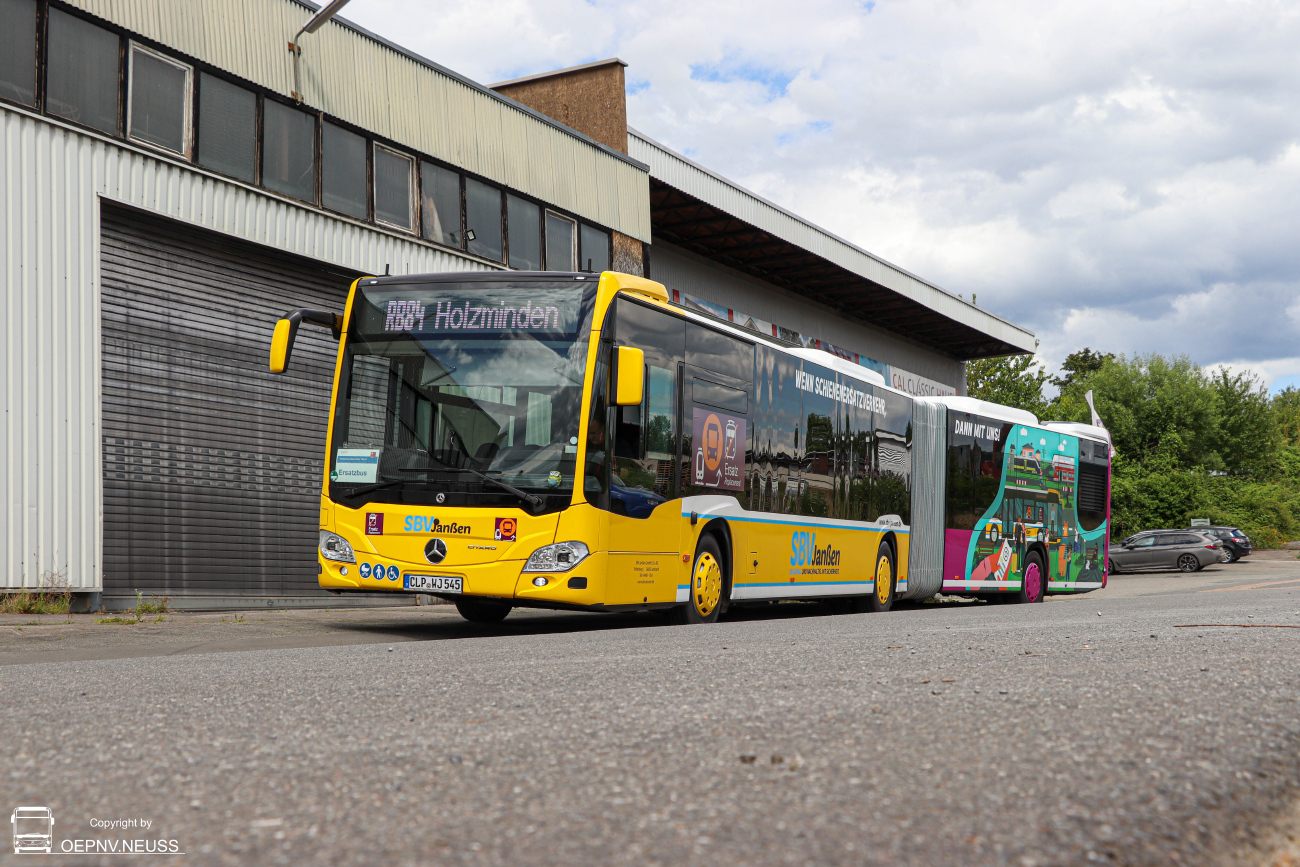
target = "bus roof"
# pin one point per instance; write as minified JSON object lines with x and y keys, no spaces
{"x":1074,"y":428}
{"x":976,"y":406}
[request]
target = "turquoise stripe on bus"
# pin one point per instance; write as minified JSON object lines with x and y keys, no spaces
{"x":807,"y":524}
{"x":795,"y":583}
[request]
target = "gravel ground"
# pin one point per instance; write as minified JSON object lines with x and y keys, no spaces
{"x":1090,"y":729}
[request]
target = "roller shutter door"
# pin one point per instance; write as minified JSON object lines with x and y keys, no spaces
{"x":212,"y":466}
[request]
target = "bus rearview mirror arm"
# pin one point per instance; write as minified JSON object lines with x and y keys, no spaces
{"x":286,"y":331}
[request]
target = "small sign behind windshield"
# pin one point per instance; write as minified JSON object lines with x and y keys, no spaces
{"x":355,"y":465}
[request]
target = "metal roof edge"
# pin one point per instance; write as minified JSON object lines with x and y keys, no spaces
{"x":1028,"y":345}
{"x":568,"y":69}
{"x":484,"y":89}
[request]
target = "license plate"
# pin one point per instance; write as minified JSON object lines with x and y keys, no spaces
{"x":432,"y":583}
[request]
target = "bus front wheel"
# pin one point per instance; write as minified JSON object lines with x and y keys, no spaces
{"x":883,"y":597}
{"x":707,"y":583}
{"x":1033,"y":585}
{"x":482,"y":610}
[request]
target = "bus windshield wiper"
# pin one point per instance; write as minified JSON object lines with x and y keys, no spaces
{"x":375,"y":486}
{"x":531,"y":499}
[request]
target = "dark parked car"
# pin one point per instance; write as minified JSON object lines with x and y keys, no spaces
{"x":1184,"y":550}
{"x":632,"y":500}
{"x":1235,"y":543}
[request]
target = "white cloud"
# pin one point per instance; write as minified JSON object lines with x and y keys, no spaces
{"x":1119,"y":174}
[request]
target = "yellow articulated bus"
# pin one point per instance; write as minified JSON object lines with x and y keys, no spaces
{"x":577,"y":441}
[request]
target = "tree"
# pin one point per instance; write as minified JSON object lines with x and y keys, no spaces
{"x":1079,"y":365}
{"x":1016,"y":380}
{"x":1144,"y":398}
{"x":1286,"y":410}
{"x":1248,"y":427}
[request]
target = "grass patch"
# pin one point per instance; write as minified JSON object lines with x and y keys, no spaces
{"x":155,"y":606}
{"x":36,"y":602}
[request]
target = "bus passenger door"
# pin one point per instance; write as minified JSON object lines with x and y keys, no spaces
{"x":644,"y":503}
{"x":717,"y":382}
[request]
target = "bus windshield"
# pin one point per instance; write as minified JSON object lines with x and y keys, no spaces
{"x":454,"y":393}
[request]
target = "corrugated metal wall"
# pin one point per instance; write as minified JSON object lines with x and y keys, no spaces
{"x":365,"y":82}
{"x":51,"y":181}
{"x":679,"y":172}
{"x":929,"y":490}
{"x":212,"y":466}
{"x":682,"y":270}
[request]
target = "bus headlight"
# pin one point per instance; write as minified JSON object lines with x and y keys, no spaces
{"x":335,"y":547}
{"x":560,"y":557}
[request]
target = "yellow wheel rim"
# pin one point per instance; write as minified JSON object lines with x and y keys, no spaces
{"x":706,"y":587}
{"x":884,"y":579}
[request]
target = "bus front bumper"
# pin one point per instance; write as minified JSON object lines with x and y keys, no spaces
{"x":582,"y":587}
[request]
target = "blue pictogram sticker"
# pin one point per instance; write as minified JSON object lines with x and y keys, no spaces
{"x":365,"y":570}
{"x":394,"y":573}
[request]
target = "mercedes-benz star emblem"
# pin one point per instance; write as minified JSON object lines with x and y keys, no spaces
{"x":435,"y":551}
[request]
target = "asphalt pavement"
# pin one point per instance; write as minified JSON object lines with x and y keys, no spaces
{"x":1154,"y":722}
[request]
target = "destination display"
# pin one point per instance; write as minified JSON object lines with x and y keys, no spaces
{"x":453,"y":311}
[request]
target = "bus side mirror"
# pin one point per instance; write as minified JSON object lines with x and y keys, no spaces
{"x":282,"y":344}
{"x":286,"y":331}
{"x":629,"y":387}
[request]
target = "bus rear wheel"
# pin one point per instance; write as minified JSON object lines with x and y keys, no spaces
{"x":883,"y":598}
{"x":482,"y":610}
{"x":1033,"y":586}
{"x":707,"y":583}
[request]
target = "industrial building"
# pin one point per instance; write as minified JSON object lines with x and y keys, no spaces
{"x":168,"y":191}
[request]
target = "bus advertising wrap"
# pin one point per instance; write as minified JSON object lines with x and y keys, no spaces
{"x":719,"y":460}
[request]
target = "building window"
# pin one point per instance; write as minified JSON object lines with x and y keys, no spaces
{"x":440,"y":206}
{"x":18,"y":51}
{"x":561,"y":242}
{"x":394,"y":204}
{"x":288,"y":151}
{"x":483,"y":219}
{"x":343,"y":171}
{"x":158,"y":106}
{"x":227,"y":128}
{"x":524,"y":223}
{"x":595,"y":249}
{"x":81,"y":72}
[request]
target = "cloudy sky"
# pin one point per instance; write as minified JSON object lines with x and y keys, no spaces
{"x":1120,"y":175}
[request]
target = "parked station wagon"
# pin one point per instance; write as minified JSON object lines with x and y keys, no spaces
{"x":1184,"y":550}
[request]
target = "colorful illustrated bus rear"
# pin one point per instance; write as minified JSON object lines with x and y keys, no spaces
{"x":1016,"y":521}
{"x":576,"y":441}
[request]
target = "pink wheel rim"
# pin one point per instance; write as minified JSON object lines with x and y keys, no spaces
{"x":1033,"y":582}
